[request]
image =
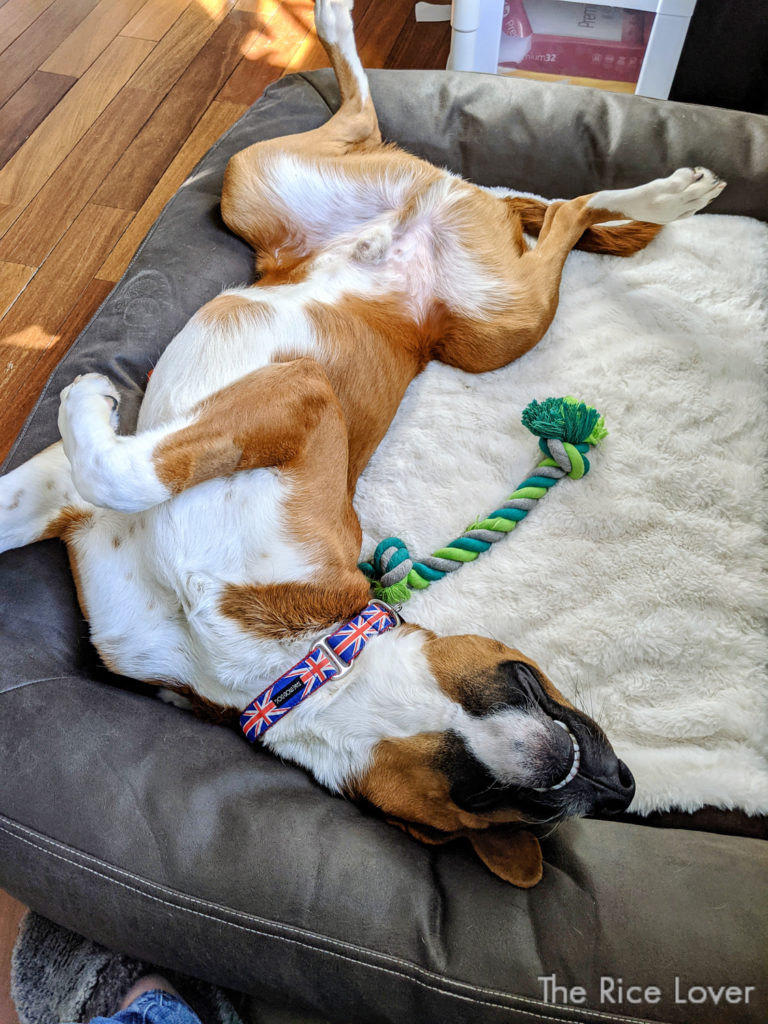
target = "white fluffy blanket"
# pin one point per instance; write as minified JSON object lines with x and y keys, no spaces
{"x":639,"y":589}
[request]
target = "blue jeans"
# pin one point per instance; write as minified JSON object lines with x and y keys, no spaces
{"x":153,"y":1008}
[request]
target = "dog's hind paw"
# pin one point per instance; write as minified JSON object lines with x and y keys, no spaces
{"x":332,"y":19}
{"x":681,"y":194}
{"x":693,"y":188}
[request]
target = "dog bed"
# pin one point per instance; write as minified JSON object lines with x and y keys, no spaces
{"x":172,"y":840}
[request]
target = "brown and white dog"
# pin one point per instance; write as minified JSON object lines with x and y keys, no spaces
{"x":213,"y":547}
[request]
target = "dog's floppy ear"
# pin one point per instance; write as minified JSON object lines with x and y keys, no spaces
{"x":512,"y":854}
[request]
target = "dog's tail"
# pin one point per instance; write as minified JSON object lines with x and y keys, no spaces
{"x":618,"y":240}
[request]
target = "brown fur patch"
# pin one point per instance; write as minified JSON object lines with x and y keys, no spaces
{"x":233,"y":312}
{"x":365,"y":341}
{"x":260,"y":420}
{"x":465,"y":666}
{"x":282,"y":267}
{"x":406,"y":780}
{"x":402,"y":782}
{"x":455,"y":659}
{"x":68,"y":520}
{"x":281,"y":611}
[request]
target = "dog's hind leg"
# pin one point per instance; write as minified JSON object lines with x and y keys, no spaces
{"x":657,"y":203}
{"x":257,"y":193}
{"x":38,"y":500}
{"x":532,"y":281}
{"x":354,"y":126}
{"x":617,"y":240}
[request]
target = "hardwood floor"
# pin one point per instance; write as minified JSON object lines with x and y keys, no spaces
{"x":105,"y":107}
{"x":11,"y":913}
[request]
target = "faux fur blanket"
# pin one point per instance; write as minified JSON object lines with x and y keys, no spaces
{"x":638,"y":589}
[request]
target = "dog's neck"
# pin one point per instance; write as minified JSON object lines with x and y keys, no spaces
{"x":395,"y":692}
{"x":390,"y":692}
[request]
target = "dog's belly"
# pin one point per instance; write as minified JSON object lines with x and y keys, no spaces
{"x":244,"y":329}
{"x":151,"y":583}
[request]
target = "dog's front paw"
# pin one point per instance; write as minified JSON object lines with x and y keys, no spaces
{"x":89,"y":386}
{"x":87,"y":421}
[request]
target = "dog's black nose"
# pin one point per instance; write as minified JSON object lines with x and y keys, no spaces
{"x":615,"y":794}
{"x":626,"y":778}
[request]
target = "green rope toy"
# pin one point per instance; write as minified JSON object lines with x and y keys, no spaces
{"x":565,"y":428}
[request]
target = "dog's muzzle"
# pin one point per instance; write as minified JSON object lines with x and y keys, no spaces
{"x":574,"y":769}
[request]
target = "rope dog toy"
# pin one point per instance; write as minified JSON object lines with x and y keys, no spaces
{"x":566,"y":428}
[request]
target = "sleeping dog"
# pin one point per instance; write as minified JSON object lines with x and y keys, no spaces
{"x":215,"y":551}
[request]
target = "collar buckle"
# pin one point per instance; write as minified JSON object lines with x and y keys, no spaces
{"x":342,"y":667}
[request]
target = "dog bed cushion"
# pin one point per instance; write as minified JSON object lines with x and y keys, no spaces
{"x":173,"y":841}
{"x":640,"y":590}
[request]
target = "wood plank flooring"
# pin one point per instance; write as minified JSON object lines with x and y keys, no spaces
{"x":105,"y":108}
{"x":11,"y":913}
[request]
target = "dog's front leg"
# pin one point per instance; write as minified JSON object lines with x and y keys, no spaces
{"x":268,"y":418}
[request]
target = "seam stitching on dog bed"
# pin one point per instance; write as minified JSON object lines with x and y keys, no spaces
{"x":478,"y":998}
{"x":31,"y":682}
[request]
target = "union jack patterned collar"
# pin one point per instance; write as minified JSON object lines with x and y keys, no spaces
{"x":331,"y":657}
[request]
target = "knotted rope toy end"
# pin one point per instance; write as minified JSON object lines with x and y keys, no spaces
{"x":566,"y":428}
{"x":565,"y":419}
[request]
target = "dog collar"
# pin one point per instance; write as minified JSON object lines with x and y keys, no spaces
{"x":330,"y":658}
